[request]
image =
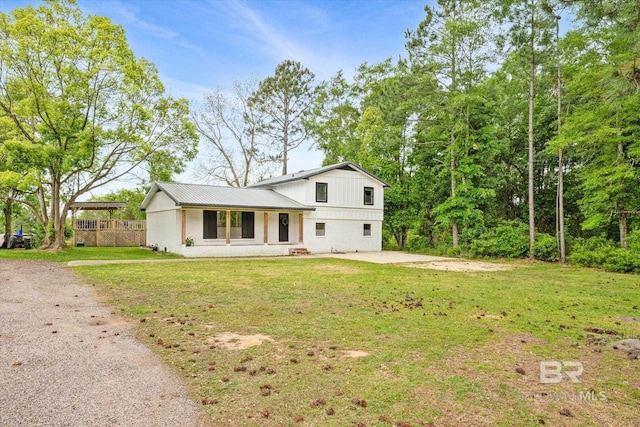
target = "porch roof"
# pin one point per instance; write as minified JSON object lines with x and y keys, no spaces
{"x":213,"y":196}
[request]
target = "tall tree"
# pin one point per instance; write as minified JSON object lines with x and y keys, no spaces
{"x":228,"y":124}
{"x":604,"y":122}
{"x":88,"y":110}
{"x":529,"y":31}
{"x":450,"y":44}
{"x":334,"y":118}
{"x":285,"y":99}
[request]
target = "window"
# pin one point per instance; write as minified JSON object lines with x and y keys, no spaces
{"x":320,"y":228}
{"x":368,"y":195}
{"x":209,"y":220}
{"x":366,"y":231}
{"x":242,"y":225}
{"x":248,"y":221}
{"x":321,"y":192}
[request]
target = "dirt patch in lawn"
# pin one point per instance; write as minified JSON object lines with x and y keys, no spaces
{"x":340,"y":269}
{"x":459,"y":266}
{"x":233,"y":341}
{"x":354,"y":354}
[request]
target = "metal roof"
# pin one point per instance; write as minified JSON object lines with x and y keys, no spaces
{"x":223,"y":197}
{"x":312,"y":172}
{"x":98,"y":206}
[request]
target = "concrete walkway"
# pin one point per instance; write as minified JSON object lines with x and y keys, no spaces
{"x":385,"y":257}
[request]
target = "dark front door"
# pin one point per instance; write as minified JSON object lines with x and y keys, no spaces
{"x":284,"y":227}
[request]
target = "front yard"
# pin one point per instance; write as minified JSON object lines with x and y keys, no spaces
{"x":333,"y":342}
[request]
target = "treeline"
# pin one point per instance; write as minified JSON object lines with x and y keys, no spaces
{"x":510,"y":128}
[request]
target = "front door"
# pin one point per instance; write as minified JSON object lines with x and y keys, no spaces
{"x":284,"y":227}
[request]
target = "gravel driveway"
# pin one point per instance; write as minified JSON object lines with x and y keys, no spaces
{"x":66,"y":360}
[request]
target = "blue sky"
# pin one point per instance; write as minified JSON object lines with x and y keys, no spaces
{"x":198,"y":45}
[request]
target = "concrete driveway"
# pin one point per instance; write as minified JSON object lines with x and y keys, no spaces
{"x":387,"y":257}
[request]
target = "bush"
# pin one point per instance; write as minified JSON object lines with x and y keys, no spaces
{"x":600,"y":252}
{"x":416,"y":243}
{"x":623,"y":261}
{"x":592,"y":252}
{"x":633,"y":241}
{"x":545,"y":248}
{"x":510,"y":240}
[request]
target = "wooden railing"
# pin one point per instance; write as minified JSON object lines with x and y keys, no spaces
{"x":109,"y":232}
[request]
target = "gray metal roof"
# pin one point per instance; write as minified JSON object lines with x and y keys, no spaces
{"x":98,"y":206}
{"x":312,"y":172}
{"x":223,"y":197}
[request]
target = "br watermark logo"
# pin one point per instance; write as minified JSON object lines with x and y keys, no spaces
{"x":552,"y":372}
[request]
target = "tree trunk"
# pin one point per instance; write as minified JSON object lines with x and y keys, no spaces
{"x":561,"y":238}
{"x":454,"y":225}
{"x":46,"y":242}
{"x":8,"y":213}
{"x":622,"y":223}
{"x":59,"y":222}
{"x":532,"y":74}
{"x":563,"y":254}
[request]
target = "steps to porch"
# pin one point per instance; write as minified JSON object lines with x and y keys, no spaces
{"x":298,"y":251}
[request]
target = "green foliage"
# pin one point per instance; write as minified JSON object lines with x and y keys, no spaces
{"x":545,"y":248}
{"x":85,"y":111}
{"x":285,"y":99}
{"x":133,"y":199}
{"x":603,"y":253}
{"x":509,"y":240}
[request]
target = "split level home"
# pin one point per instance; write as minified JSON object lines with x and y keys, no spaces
{"x":337,"y":208}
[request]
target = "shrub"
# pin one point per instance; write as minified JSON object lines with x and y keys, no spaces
{"x":510,"y":240}
{"x":600,"y":252}
{"x":623,"y":261}
{"x":545,"y":248}
{"x":417,"y":243}
{"x":592,"y":252}
{"x":633,"y":241}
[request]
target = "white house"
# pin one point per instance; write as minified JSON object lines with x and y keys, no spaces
{"x":337,"y":208}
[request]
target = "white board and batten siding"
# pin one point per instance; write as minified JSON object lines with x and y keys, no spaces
{"x":346,"y":223}
{"x":343,"y":215}
{"x":164,"y":224}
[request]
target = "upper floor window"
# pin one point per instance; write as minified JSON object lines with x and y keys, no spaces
{"x":368,"y":195}
{"x":321,"y":192}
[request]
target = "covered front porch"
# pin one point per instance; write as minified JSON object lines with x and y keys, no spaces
{"x":227,"y":232}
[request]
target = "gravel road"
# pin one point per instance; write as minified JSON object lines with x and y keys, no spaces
{"x":66,"y":360}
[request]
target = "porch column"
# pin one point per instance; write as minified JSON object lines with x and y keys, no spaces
{"x":228,"y":228}
{"x":184,"y":226}
{"x":266,"y":228}
{"x":300,"y":229}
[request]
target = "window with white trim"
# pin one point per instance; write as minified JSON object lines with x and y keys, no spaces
{"x":366,"y":230}
{"x":320,"y":229}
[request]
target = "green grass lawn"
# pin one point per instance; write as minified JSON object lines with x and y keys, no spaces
{"x":84,"y":253}
{"x":437,"y":347}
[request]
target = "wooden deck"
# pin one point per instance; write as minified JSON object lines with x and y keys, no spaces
{"x":109,"y":232}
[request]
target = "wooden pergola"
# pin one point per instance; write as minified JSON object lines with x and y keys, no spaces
{"x":106,"y":232}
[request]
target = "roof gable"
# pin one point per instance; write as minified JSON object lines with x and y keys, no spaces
{"x":296,"y":176}
{"x":197,"y":195}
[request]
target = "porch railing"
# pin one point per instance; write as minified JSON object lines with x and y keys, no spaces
{"x":109,"y":232}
